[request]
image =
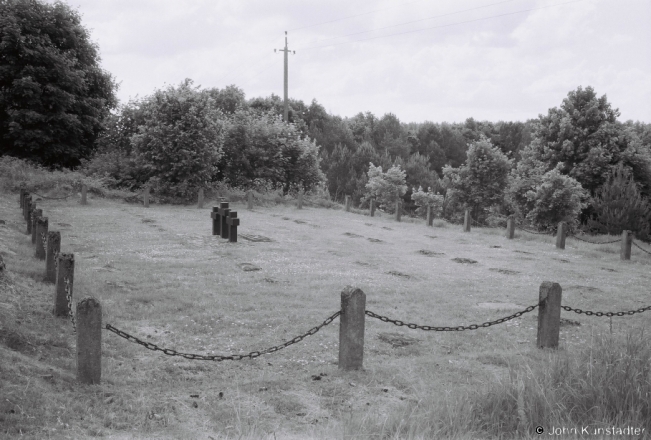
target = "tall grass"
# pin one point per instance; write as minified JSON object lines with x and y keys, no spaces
{"x":606,"y":384}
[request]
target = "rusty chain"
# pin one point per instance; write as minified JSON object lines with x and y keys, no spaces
{"x":450,"y":329}
{"x":219,"y":358}
{"x":69,"y":299}
{"x":641,"y":248}
{"x":609,"y":314}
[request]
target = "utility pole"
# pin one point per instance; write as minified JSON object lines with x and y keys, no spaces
{"x":286,"y":103}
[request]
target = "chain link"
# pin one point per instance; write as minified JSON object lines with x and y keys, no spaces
{"x":56,"y":262}
{"x":594,"y":242}
{"x":532,"y":232}
{"x":44,"y":240}
{"x":641,"y":248}
{"x":450,"y":329}
{"x":69,"y":299}
{"x":219,"y":358}
{"x":51,"y":198}
{"x":609,"y":314}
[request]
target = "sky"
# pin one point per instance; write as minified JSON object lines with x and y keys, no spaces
{"x":422,"y":60}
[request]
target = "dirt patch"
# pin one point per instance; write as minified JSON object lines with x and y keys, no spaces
{"x":397,"y":339}
{"x":148,"y":220}
{"x":504,"y":271}
{"x":255,"y":238}
{"x":562,"y":260}
{"x":375,"y":240}
{"x":464,"y":260}
{"x":270,"y":280}
{"x":607,"y":269}
{"x":496,"y":247}
{"x":362,"y":263}
{"x":300,"y":222}
{"x":248,"y":267}
{"x":584,"y":288}
{"x":569,"y":323}
{"x":64,"y":225}
{"x":429,"y":253}
{"x":351,"y":235}
{"x":398,"y":274}
{"x":388,"y":229}
{"x":431,"y":236}
{"x":523,"y":252}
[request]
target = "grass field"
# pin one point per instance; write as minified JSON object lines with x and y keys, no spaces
{"x":161,"y":276}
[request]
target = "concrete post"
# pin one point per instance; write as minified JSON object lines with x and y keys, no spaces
{"x":84,"y":190}
{"x":52,"y":251}
{"x":89,"y":341}
{"x":300,"y":200}
{"x":510,"y":227}
{"x":65,"y":271}
{"x":30,"y":217}
{"x":430,"y":215}
{"x":146,"y":197}
{"x":373,"y":207}
{"x":249,"y":200}
{"x":625,"y":249}
{"x":351,"y":329}
{"x":216,"y":220}
{"x":41,"y":237}
{"x":561,"y":233}
{"x":549,"y":315}
{"x":466,"y":221}
{"x":347,"y":203}
{"x":26,"y":201}
{"x":22,"y":197}
{"x":36,"y":213}
{"x":200,"y":202}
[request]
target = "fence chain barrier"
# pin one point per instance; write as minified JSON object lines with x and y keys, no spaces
{"x":56,"y":262}
{"x":219,"y":358}
{"x":641,"y":248}
{"x":44,"y":240}
{"x":609,"y":314}
{"x":530,"y":231}
{"x":450,"y":329}
{"x":51,"y":198}
{"x":69,"y":299}
{"x":594,"y":242}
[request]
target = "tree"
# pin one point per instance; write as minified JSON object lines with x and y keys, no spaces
{"x":482,"y":180}
{"x":53,"y":93}
{"x":387,"y":187}
{"x":618,"y":205}
{"x":180,"y":140}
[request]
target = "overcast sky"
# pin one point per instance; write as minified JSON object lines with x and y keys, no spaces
{"x":442,"y":60}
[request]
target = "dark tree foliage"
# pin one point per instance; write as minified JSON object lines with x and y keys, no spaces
{"x":229,"y":99}
{"x":53,"y":93}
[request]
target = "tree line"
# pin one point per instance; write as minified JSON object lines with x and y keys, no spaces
{"x":578,"y":162}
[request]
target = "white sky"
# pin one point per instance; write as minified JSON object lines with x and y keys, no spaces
{"x":511,"y":67}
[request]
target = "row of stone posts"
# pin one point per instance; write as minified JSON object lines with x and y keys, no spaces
{"x":353,"y":315}
{"x":59,"y":269}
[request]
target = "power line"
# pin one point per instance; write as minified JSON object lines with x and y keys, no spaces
{"x":442,"y":26}
{"x":416,"y":21}
{"x":353,"y":16}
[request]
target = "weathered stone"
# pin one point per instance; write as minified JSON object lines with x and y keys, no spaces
{"x":351,"y":329}
{"x":549,"y":315}
{"x":89,"y":341}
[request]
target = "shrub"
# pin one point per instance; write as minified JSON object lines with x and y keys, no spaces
{"x":424,"y":199}
{"x":385,"y":187}
{"x":618,"y":205}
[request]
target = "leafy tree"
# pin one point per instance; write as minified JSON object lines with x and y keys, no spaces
{"x":229,"y":99}
{"x":423,"y":199}
{"x":385,"y":187}
{"x":557,"y":198}
{"x":618,"y":205}
{"x":180,"y":140}
{"x":53,"y":93}
{"x":482,"y":180}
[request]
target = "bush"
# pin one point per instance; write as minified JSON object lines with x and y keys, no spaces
{"x":618,"y":205}
{"x":424,"y":199}
{"x":557,"y":198}
{"x":385,"y":187}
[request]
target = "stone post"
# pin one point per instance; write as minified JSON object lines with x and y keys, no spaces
{"x":430,"y":216}
{"x":561,"y":233}
{"x":22,"y":197}
{"x":41,"y":237}
{"x":216,"y":220}
{"x":300,"y":200}
{"x":249,"y":200}
{"x":233,"y":222}
{"x":549,"y":315}
{"x":510,"y":227}
{"x":398,"y":211}
{"x":347,"y":203}
{"x":89,"y":341}
{"x":351,"y":328}
{"x":224,"y":212}
{"x":52,"y":251}
{"x":36,"y":213}
{"x":200,"y":202}
{"x":373,"y":207}
{"x":27,"y":207}
{"x":84,"y":190}
{"x":625,"y":249}
{"x":466,"y":221}
{"x":30,"y":216}
{"x":145,"y":196}
{"x":65,"y":271}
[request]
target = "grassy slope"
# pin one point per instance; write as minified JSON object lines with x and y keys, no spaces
{"x":159,"y":274}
